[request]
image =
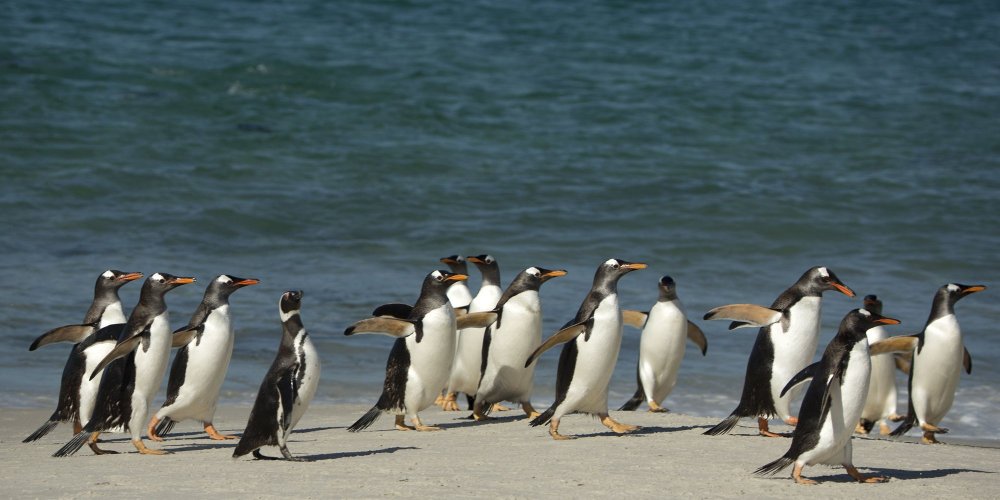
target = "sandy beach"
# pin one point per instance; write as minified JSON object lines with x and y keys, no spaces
{"x":503,"y":458}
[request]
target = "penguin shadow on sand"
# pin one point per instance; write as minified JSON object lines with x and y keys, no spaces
{"x":892,"y":474}
{"x":646,"y":430}
{"x":206,"y":443}
{"x":355,"y":454}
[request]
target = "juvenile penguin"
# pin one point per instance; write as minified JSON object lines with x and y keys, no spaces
{"x":288,"y":386}
{"x":938,"y":358}
{"x":881,"y":402}
{"x":200,"y":365}
{"x":77,"y":393}
{"x":593,"y":339}
{"x":661,"y":347}
{"x":133,"y":370}
{"x":833,"y":402}
{"x":467,"y":367}
{"x":418,"y":365}
{"x":516,"y":333}
{"x":786,"y":343}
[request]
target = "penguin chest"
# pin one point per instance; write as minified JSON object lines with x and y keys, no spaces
{"x":151,"y":357}
{"x":209,"y":355}
{"x":519,"y":334}
{"x":597,"y":356}
{"x":87,"y":391}
{"x":881,"y":399}
{"x":431,"y":358}
{"x":307,"y":373}
{"x":112,"y":315}
{"x":795,"y":346}
{"x":847,"y":398}
{"x":937,"y":366}
{"x":459,"y":295}
{"x":661,"y":346}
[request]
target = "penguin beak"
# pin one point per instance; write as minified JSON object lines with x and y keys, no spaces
{"x":973,"y":289}
{"x":182,"y":281}
{"x":247,"y":282}
{"x":555,"y":273}
{"x":474,"y":259}
{"x":633,"y":266}
{"x":842,"y":288}
{"x":449,"y":260}
{"x":130,"y":277}
{"x":887,"y":321}
{"x":457,"y":277}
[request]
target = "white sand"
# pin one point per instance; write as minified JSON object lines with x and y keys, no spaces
{"x":504,"y":458}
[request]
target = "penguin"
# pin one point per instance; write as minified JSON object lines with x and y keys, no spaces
{"x":200,"y":366}
{"x":421,"y":357}
{"x":833,"y":402}
{"x":938,"y":357}
{"x":467,"y":366}
{"x":881,"y":402}
{"x":133,"y":370}
{"x":458,"y":293}
{"x":76,"y":392}
{"x":288,"y":386}
{"x":507,"y":342}
{"x":593,"y":338}
{"x":786,"y":343}
{"x":661,"y":347}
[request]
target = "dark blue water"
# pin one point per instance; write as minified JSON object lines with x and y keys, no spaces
{"x":342,"y":148}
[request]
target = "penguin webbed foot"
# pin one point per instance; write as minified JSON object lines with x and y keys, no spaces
{"x":861,"y":478}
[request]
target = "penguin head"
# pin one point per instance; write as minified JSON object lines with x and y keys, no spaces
{"x":224,"y":285}
{"x":541,"y":275}
{"x":612,"y":269}
{"x":440,"y":280}
{"x":859,"y":321}
{"x":872,"y":304}
{"x":290,"y":303}
{"x":668,"y":288}
{"x":113,"y":279}
{"x":953,"y":292}
{"x":456,"y":263}
{"x":161,"y":283}
{"x":820,"y":279}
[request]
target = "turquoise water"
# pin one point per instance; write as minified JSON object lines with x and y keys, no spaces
{"x":342,"y":148}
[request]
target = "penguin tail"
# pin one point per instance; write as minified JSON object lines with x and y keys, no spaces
{"x":544,"y":417}
{"x":366,"y":420}
{"x":165,"y":426}
{"x":73,"y":445}
{"x":774,"y":467}
{"x":725,"y":426}
{"x":46,"y":428}
{"x":905,"y":426}
{"x":636,"y":400}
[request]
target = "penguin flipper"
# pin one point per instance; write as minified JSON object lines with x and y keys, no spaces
{"x":476,"y":320}
{"x":287,"y":388}
{"x":461,"y":311}
{"x":696,"y":336}
{"x":903,"y":361}
{"x":634,"y":318}
{"x":393,"y":327}
{"x":123,"y":348}
{"x":967,"y":361}
{"x":560,"y":337}
{"x":68,"y":333}
{"x":394,"y":310}
{"x":901,"y":343}
{"x":803,"y":375}
{"x":183,"y":336}
{"x":745,"y":315}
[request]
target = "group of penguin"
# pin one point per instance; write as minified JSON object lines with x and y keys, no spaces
{"x":449,"y":342}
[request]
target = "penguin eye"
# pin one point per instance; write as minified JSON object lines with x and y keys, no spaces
{"x":161,"y":280}
{"x":615,"y":266}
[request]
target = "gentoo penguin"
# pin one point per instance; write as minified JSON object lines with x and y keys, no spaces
{"x":133,"y":370}
{"x":661,"y":347}
{"x":200,"y":366}
{"x":881,"y":402}
{"x":833,"y":402}
{"x":467,"y":367}
{"x":516,"y":333}
{"x":786,"y":342}
{"x":587,"y":360}
{"x":77,"y":392}
{"x":288,"y":386}
{"x":458,"y":293}
{"x":938,"y":358}
{"x":421,"y":357}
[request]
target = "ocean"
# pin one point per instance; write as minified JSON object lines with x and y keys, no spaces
{"x":342,"y":148}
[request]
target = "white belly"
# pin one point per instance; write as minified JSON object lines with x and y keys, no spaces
{"x":936,"y":370}
{"x":793,"y":349}
{"x":595,"y":361}
{"x":207,"y":363}
{"x":430,"y":359}
{"x":519,"y":334}
{"x":459,"y":295}
{"x":847,"y":401}
{"x":113,"y":315}
{"x":469,"y":354}
{"x":310,"y":363}
{"x":88,"y":388}
{"x":881,"y":401}
{"x":661,"y":349}
{"x":150,"y":365}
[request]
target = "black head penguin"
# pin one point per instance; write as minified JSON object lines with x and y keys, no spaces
{"x":516,"y":333}
{"x":424,"y":347}
{"x":833,"y":402}
{"x":593,"y":339}
{"x":199,"y":368}
{"x":786,"y":342}
{"x":288,"y":386}
{"x":77,"y":393}
{"x":133,"y":370}
{"x":661,"y":347}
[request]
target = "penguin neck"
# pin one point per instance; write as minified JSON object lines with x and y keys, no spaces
{"x":943,"y":305}
{"x":103,"y":297}
{"x":667,"y":294}
{"x":491,"y":276}
{"x":290,"y":330}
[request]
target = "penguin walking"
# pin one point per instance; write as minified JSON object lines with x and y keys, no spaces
{"x":593,"y":339}
{"x":288,"y":386}
{"x":467,"y":366}
{"x":881,"y":402}
{"x":200,"y":366}
{"x":661,"y":348}
{"x":938,"y":356}
{"x":786,"y":343}
{"x":77,"y":393}
{"x":833,"y":402}
{"x":133,"y":370}
{"x":516,"y":333}
{"x":421,"y":357}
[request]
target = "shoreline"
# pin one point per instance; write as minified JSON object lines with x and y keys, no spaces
{"x":503,"y":458}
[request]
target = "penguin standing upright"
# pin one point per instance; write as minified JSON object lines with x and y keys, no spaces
{"x":288,"y":386}
{"x":661,"y":348}
{"x":881,"y":402}
{"x":786,"y":342}
{"x":833,"y":402}
{"x":200,"y":365}
{"x":467,"y":366}
{"x":135,"y":369}
{"x":77,"y":393}
{"x":507,"y":342}
{"x":593,"y":339}
{"x":939,"y":355}
{"x":421,"y":357}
